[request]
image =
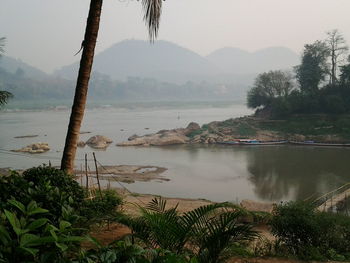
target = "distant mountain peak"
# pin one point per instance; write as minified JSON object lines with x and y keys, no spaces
{"x":170,"y":62}
{"x":236,"y":60}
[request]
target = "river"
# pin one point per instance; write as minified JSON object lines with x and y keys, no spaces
{"x":214,"y":172}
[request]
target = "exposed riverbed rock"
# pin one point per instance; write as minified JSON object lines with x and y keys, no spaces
{"x":99,"y":142}
{"x":39,"y":147}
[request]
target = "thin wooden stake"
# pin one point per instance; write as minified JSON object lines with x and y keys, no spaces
{"x":86,"y":173}
{"x":81,"y":175}
{"x":98,"y":179}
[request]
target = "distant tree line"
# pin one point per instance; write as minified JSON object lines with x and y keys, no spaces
{"x":321,"y":83}
{"x":103,"y":87}
{"x":4,"y":95}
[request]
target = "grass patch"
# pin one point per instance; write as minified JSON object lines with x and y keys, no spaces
{"x":314,"y":125}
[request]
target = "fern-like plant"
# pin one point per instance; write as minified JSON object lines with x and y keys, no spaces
{"x":206,"y":231}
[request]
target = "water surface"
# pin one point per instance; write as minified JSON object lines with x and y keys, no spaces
{"x":219,"y":173}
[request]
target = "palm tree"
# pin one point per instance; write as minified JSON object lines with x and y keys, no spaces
{"x":207,"y":231}
{"x":152,"y":11}
{"x":4,"y":95}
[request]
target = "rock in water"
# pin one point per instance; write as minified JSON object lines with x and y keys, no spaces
{"x":81,"y":144}
{"x":39,"y":147}
{"x":99,"y":142}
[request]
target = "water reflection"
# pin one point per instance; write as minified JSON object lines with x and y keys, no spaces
{"x":288,"y":172}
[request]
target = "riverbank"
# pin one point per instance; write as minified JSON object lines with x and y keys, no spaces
{"x":321,"y":128}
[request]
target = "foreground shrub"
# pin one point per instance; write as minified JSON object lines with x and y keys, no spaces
{"x":101,"y":208}
{"x":51,"y":188}
{"x":28,"y":235}
{"x":125,"y":251}
{"x":41,"y":212}
{"x":208,"y":231}
{"x":303,"y":231}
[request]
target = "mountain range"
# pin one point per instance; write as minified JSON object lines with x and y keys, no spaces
{"x":169,"y":62}
{"x":138,"y":70}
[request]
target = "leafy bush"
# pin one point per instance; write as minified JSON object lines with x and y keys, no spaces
{"x":125,"y":251}
{"x":27,"y":235}
{"x":307,"y":233}
{"x":101,"y":208}
{"x":44,"y":175}
{"x":51,"y":188}
{"x":41,"y":227}
{"x":335,"y":104}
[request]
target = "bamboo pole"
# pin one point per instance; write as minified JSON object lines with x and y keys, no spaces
{"x":98,"y":179}
{"x":86,"y":173}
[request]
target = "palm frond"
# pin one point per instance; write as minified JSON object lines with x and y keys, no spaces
{"x":157,"y":205}
{"x":199,"y":216}
{"x":2,"y":45}
{"x":4,"y":96}
{"x":221,"y":231}
{"x":152,"y":12}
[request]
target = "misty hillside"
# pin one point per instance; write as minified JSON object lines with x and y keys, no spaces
{"x":135,"y":58}
{"x":137,"y":70}
{"x":17,"y":66}
{"x":238,"y":61}
{"x":169,"y":62}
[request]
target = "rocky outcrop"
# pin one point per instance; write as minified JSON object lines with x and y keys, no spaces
{"x":39,"y":147}
{"x":163,"y":137}
{"x":192,"y":127}
{"x":158,"y":139}
{"x":99,"y":142}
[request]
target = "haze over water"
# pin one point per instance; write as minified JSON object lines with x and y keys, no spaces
{"x":218,"y":173}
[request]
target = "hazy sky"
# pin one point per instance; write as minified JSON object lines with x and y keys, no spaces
{"x":47,"y":33}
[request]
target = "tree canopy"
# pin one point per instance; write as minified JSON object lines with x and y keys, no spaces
{"x":320,"y":89}
{"x":269,"y":86}
{"x":313,"y":68}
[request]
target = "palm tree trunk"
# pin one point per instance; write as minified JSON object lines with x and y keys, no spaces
{"x":77,"y":114}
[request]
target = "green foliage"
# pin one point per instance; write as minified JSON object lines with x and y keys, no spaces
{"x":209,"y":230}
{"x":101,"y":208}
{"x":5,"y":96}
{"x":51,"y":188}
{"x":314,"y":67}
{"x":309,"y":234}
{"x":267,"y":87}
{"x":27,"y":235}
{"x":42,"y":227}
{"x":125,"y":251}
{"x":59,"y":193}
